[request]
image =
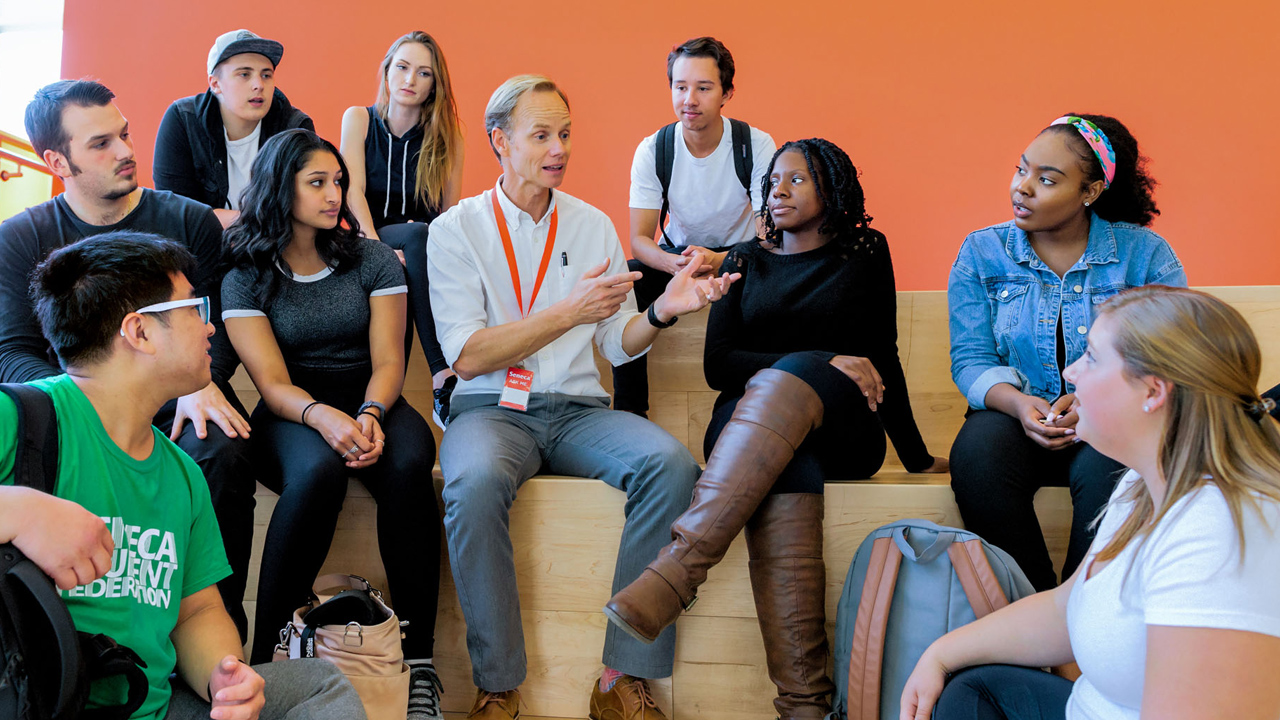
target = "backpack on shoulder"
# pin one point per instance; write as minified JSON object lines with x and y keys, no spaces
{"x":664,"y":159}
{"x":47,"y":666}
{"x":910,"y":583}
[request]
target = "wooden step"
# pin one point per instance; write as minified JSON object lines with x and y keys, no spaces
{"x":566,"y":533}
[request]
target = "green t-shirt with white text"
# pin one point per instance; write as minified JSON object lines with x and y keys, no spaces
{"x":166,"y":536}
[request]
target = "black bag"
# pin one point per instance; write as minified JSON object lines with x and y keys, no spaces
{"x":664,"y":159}
{"x":47,"y":665}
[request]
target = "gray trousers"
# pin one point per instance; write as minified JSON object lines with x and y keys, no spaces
{"x":296,"y":690}
{"x":488,"y":452}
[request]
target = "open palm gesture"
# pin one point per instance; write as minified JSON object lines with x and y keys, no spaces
{"x":688,"y":293}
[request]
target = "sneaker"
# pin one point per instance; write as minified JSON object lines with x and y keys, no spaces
{"x":424,"y":693}
{"x":440,"y":402}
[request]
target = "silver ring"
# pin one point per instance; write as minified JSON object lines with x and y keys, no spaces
{"x":354,"y":448}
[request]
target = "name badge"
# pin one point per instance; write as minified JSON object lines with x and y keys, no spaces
{"x":515,"y":391}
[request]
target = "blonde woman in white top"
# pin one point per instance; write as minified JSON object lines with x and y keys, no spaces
{"x":1175,"y":612}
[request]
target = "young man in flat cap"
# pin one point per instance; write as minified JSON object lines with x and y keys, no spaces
{"x":207,"y":142}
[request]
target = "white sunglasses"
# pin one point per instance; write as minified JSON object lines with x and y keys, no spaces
{"x":202,"y":304}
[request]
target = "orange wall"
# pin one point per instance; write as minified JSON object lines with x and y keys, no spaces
{"x":933,"y":100}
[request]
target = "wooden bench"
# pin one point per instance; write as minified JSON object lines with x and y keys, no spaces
{"x":566,"y":532}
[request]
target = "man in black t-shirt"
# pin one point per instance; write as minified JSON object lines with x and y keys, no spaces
{"x":85,"y":141}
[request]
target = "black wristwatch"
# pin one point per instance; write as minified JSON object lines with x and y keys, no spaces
{"x":654,"y":321}
{"x":382,"y":409}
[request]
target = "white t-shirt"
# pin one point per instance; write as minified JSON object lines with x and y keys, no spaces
{"x":240,"y":156}
{"x":708,"y":205}
{"x":1187,"y":573}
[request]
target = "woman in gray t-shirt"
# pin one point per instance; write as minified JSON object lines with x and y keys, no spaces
{"x":317,"y":315}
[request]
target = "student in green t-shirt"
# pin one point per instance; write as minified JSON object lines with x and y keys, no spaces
{"x":130,"y":536}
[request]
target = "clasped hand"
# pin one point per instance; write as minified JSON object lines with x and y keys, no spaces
{"x":358,"y":440}
{"x":710,"y":261}
{"x":1050,"y":426}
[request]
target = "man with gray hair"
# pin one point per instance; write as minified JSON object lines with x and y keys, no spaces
{"x":529,"y":396}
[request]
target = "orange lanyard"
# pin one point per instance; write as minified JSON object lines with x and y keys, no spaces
{"x":511,"y":254}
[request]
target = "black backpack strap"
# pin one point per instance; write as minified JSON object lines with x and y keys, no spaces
{"x":103,"y":658}
{"x":35,"y":461}
{"x":27,"y":593}
{"x":743,"y":158}
{"x":664,"y":159}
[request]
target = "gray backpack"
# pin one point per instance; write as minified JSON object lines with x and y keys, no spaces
{"x":891,"y":610}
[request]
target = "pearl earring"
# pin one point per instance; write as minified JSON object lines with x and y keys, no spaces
{"x":1086,"y":203}
{"x":1146,"y":408}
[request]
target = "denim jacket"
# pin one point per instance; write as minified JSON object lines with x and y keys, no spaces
{"x":1004,"y":302}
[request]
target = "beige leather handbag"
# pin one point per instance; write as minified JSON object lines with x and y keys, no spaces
{"x":347,"y":623}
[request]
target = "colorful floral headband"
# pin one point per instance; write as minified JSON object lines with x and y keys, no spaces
{"x":1098,"y":142}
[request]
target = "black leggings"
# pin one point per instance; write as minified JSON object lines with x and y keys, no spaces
{"x":850,"y":445}
{"x":311,"y":479}
{"x":1003,"y":692}
{"x":995,"y":473}
{"x":411,"y":239}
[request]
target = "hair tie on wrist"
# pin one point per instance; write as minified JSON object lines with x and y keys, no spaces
{"x":1258,"y":408}
{"x":303,"y":419}
{"x":1097,"y":141}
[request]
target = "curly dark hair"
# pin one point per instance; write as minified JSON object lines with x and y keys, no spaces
{"x":1129,"y":199}
{"x":844,"y":212}
{"x":264,"y":229}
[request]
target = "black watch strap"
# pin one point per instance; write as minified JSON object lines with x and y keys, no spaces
{"x":654,"y":321}
{"x":382,"y":409}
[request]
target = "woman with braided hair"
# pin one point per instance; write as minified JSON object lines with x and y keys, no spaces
{"x":1175,"y":612}
{"x":1022,"y":296}
{"x":803,"y":350}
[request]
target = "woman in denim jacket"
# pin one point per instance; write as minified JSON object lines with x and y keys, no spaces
{"x":1022,"y":296}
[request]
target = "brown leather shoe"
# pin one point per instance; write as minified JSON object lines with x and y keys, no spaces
{"x":773,"y":417}
{"x":496,"y":706}
{"x":789,"y":582}
{"x":628,"y":699}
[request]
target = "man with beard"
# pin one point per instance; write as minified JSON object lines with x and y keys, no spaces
{"x":85,"y":141}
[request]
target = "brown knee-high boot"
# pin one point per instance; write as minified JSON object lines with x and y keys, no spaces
{"x":773,"y":417}
{"x":789,"y":582}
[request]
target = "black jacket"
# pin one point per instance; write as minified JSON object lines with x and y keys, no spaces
{"x":191,"y":147}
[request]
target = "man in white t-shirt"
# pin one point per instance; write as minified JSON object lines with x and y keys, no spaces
{"x":207,"y":143}
{"x":713,"y":167}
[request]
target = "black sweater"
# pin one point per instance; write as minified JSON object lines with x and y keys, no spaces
{"x":838,"y":300}
{"x":28,"y":237}
{"x":191,"y":145}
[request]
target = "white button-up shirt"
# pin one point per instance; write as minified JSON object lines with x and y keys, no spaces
{"x":471,"y":286}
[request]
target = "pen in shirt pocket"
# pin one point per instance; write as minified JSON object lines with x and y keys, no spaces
{"x":564,"y":264}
